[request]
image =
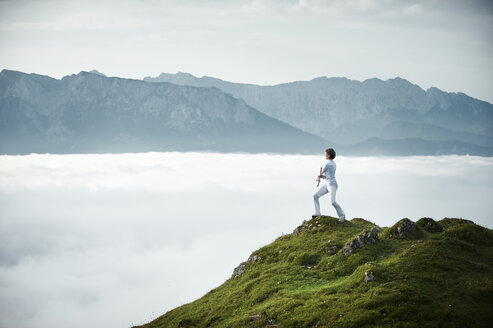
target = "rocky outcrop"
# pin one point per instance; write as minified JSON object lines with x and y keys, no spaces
{"x":405,"y":228}
{"x":241,"y":269}
{"x":430,"y":225}
{"x":367,"y":238}
{"x":333,"y":249}
{"x":307,"y":225}
{"x":369,"y":276}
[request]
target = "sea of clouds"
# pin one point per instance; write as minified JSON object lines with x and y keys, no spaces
{"x":115,"y":240}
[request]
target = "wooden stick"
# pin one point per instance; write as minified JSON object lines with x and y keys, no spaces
{"x":319,"y":177}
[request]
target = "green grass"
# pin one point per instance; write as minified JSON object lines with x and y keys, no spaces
{"x":441,"y":275}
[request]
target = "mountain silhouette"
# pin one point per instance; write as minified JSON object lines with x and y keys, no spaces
{"x":92,"y":113}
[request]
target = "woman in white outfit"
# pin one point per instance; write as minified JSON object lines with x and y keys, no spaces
{"x":330,"y":185}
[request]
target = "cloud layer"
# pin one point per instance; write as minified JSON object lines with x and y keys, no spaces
{"x":116,"y":240}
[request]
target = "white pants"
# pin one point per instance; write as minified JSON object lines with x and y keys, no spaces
{"x":322,"y":191}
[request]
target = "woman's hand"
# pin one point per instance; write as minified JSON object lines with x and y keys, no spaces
{"x":321,"y":176}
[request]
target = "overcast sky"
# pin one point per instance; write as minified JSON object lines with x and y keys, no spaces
{"x":441,"y":43}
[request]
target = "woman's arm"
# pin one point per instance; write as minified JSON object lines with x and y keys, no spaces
{"x":326,"y":167}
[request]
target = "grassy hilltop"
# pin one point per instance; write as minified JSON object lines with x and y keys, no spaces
{"x":355,"y":274}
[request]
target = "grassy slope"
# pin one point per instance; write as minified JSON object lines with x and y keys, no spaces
{"x":440,"y":279}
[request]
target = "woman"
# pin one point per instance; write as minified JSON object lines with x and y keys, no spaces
{"x":330,"y":185}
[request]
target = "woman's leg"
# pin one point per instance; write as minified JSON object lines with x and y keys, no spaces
{"x":340,"y":212}
{"x":320,"y":192}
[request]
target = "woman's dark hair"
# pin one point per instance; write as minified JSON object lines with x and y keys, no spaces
{"x":331,"y":152}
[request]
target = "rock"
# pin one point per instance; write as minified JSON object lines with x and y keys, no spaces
{"x":333,"y":249}
{"x":239,"y":270}
{"x":406,"y":227}
{"x":271,"y":322}
{"x":367,"y":238}
{"x":253,"y":258}
{"x":369,"y":276}
{"x":307,"y":225}
{"x":301,"y":228}
{"x":430,"y":225}
{"x":403,"y":228}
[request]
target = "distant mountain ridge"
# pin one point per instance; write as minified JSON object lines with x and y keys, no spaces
{"x":349,"y":112}
{"x":90,"y":112}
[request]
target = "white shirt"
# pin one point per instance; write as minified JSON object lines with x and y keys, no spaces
{"x":329,"y":171}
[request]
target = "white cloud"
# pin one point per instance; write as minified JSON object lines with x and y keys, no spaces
{"x":115,"y":240}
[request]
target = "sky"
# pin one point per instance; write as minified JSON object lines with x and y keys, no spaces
{"x":115,"y":240}
{"x":440,"y":43}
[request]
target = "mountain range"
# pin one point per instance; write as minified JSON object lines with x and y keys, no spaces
{"x":91,"y":113}
{"x":355,"y":274}
{"x":389,"y":115}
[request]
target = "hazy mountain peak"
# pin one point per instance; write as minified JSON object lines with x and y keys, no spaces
{"x":398,"y":81}
{"x":83,"y":76}
{"x":96,"y":72}
{"x":374,"y":80}
{"x":320,"y":78}
{"x":185,"y":74}
{"x":93,"y":72}
{"x":332,"y":78}
{"x":180,"y":78}
{"x":8,"y":72}
{"x":206,"y":77}
{"x":348,"y":111}
{"x":88,"y":112}
{"x":18,"y":83}
{"x":181,"y":75}
{"x":435,"y":90}
{"x":5,"y":73}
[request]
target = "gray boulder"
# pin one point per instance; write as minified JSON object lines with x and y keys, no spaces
{"x":367,"y":238}
{"x":333,"y":249}
{"x":253,"y":258}
{"x":298,"y":230}
{"x":406,"y":227}
{"x":241,"y":269}
{"x":369,"y":276}
{"x":307,"y":225}
{"x":430,"y":225}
